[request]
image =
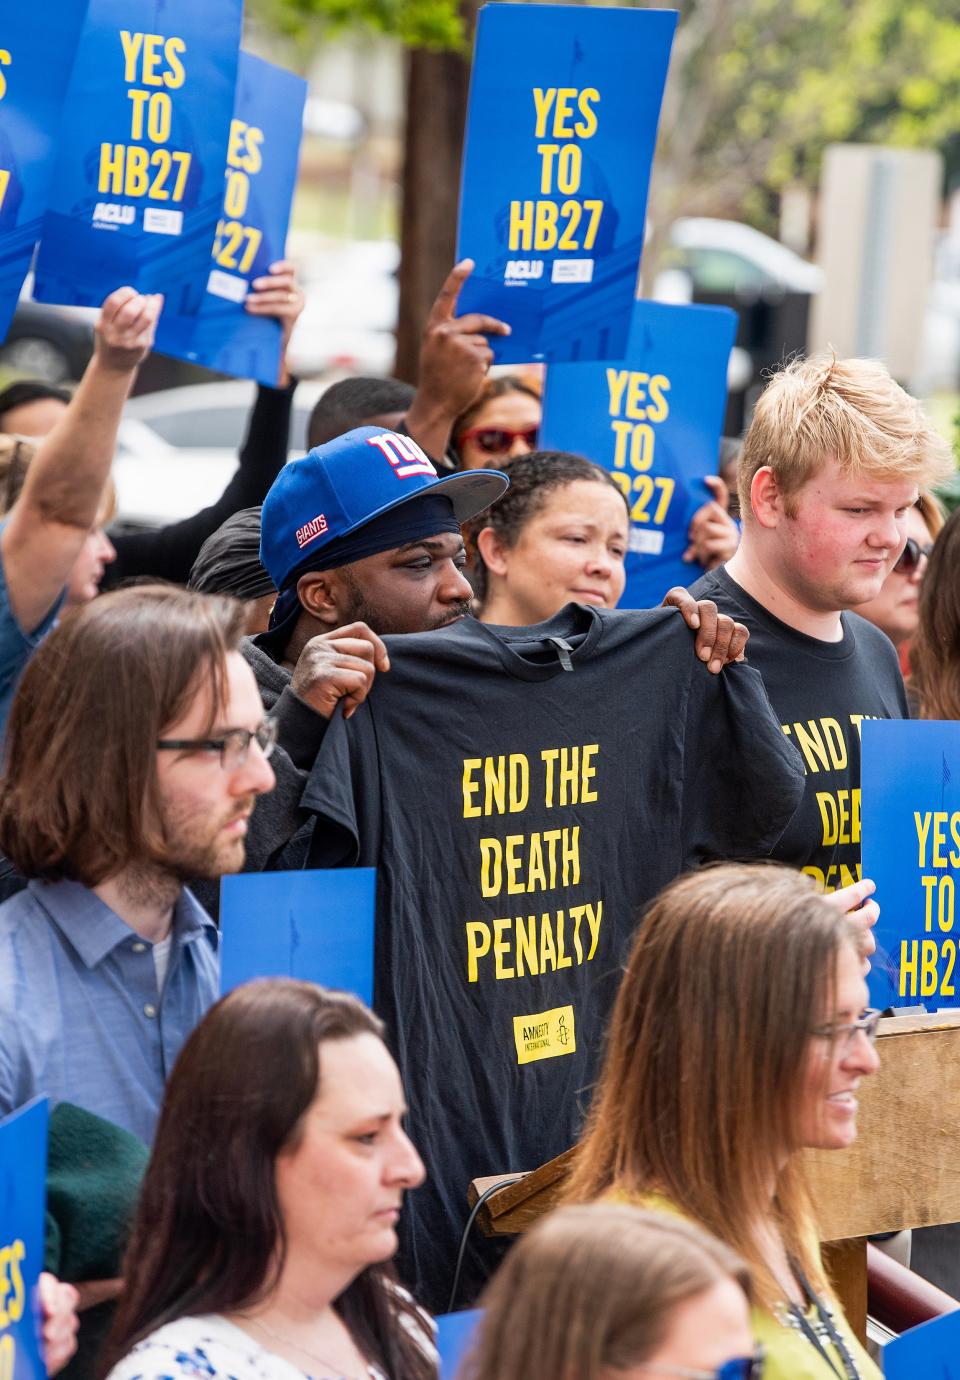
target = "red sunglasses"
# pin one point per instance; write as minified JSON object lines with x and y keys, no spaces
{"x":498,"y":440}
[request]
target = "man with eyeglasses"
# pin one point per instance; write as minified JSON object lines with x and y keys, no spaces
{"x":831,"y":466}
{"x":136,"y":750}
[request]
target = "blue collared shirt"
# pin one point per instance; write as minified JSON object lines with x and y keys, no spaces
{"x":81,"y":1019}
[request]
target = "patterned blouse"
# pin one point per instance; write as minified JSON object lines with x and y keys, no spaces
{"x":210,"y":1348}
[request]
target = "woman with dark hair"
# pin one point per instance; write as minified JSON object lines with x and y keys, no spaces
{"x":267,"y":1220}
{"x":934,"y":687}
{"x":557,"y":536}
{"x":739,"y":1037}
{"x":502,"y":421}
{"x":639,"y":1295}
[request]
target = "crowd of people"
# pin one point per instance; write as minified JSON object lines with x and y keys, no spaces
{"x":404,"y":651}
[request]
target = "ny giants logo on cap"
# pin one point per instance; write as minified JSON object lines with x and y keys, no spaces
{"x":405,"y":456}
{"x":311,"y":530}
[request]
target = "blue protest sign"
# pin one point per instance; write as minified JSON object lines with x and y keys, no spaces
{"x":931,"y":1350}
{"x":313,"y":924}
{"x":35,"y":64}
{"x":561,"y":128}
{"x":910,"y":784}
{"x":654,"y":422}
{"x":138,"y":187}
{"x":454,"y":1335}
{"x":260,"y":174}
{"x":23,"y":1166}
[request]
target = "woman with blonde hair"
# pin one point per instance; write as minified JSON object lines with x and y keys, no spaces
{"x":739,"y":1037}
{"x":608,"y":1290}
{"x":97,"y":552}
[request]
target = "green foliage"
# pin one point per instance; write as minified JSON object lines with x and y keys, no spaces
{"x":420,"y":23}
{"x":758,"y":88}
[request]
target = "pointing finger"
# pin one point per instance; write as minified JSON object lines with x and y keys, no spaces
{"x":446,"y":300}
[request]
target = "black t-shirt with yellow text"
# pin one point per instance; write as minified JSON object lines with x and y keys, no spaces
{"x":523,"y":792}
{"x":821,"y":692}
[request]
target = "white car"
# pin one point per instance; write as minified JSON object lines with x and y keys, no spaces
{"x":177,"y":449}
{"x":725,"y":256}
{"x":350,"y":318}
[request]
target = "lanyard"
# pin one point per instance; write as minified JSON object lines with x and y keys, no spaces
{"x":850,"y":1370}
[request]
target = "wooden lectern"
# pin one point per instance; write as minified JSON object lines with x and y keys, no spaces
{"x":902,"y":1171}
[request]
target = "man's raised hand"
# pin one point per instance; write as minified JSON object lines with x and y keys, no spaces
{"x":455,"y":355}
{"x":125,"y":331}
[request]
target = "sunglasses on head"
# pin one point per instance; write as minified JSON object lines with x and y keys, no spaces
{"x":495,"y":440}
{"x":911,"y":555}
{"x":743,"y":1368}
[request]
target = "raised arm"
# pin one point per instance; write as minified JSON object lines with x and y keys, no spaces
{"x":454,"y":358}
{"x":62,"y":492}
{"x":168,"y":553}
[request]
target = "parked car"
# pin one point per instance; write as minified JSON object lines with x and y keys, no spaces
{"x":49,"y":343}
{"x":724,"y":263}
{"x":177,"y":449}
{"x":724,"y":256}
{"x":350,"y":317}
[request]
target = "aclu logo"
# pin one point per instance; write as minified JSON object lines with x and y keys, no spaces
{"x":522,"y":270}
{"x":109,"y":213}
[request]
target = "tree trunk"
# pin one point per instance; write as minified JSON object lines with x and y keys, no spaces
{"x":437,"y":85}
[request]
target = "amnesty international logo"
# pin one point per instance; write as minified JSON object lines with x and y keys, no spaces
{"x":545,"y":1035}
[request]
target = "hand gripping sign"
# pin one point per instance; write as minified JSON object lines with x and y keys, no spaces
{"x":35,"y":64}
{"x":654,"y":422}
{"x":139,"y":182}
{"x":561,"y":128}
{"x":259,"y":178}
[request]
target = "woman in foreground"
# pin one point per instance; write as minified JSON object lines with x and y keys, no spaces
{"x":267,"y":1220}
{"x":740,"y":1036}
{"x":608,"y":1292}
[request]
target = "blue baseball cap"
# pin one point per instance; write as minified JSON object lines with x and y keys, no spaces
{"x":339,"y":487}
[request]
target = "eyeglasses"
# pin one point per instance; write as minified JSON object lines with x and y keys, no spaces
{"x":498,"y":440}
{"x":845,"y":1035}
{"x":233,"y":746}
{"x":742,"y":1368}
{"x":911,"y":556}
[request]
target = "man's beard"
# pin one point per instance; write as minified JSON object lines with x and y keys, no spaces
{"x":194,"y":852}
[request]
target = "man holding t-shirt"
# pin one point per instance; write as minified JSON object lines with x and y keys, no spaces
{"x":832,"y":462}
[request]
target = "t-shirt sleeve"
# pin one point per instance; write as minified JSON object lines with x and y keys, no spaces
{"x":342,"y":793}
{"x":743,"y":781}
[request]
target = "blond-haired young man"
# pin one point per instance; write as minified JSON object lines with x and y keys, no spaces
{"x":833,"y":460}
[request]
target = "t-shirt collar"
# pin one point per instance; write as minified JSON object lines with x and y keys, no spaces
{"x":577,"y":625}
{"x":815,"y":646}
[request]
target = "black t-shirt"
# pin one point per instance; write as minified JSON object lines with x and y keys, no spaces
{"x":516,"y":839}
{"x":820,"y":692}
